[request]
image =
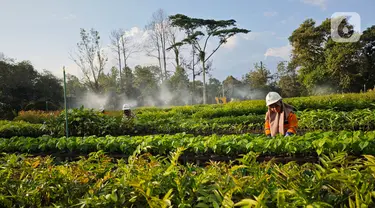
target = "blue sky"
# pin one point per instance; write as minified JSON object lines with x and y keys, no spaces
{"x":44,"y":32}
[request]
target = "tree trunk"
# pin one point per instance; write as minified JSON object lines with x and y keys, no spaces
{"x":124,"y":53}
{"x":119,"y":66}
{"x":193,"y":90}
{"x":164,"y":57}
{"x":161,"y":70}
{"x":126,"y":71}
{"x":193,"y":94}
{"x":177,"y":54}
{"x":204,"y":82}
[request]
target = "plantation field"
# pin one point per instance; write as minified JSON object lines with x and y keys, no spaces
{"x":313,"y":143}
{"x":86,"y":123}
{"x":192,"y":156}
{"x":144,"y":180}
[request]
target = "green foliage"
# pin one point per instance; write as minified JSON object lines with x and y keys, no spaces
{"x":223,"y":121}
{"x":179,"y":82}
{"x":90,"y":58}
{"x":145,"y":180}
{"x":331,"y":120}
{"x":23,"y":87}
{"x":232,"y":86}
{"x":20,"y":128}
{"x":74,"y":87}
{"x":310,"y":144}
{"x":333,"y":112}
{"x":323,"y":62}
{"x":6,"y":111}
{"x":83,"y":122}
{"x":288,"y":81}
{"x":258,"y":78}
{"x":146,"y":80}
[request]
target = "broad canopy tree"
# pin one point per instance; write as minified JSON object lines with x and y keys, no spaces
{"x":22,"y":87}
{"x":344,"y":67}
{"x":259,"y":77}
{"x":198,"y":29}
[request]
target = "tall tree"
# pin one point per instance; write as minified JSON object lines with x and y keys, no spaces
{"x":179,"y":86}
{"x":90,"y":58}
{"x":288,"y":80}
{"x":197,"y":94}
{"x":146,"y":81}
{"x":116,"y":43}
{"x":259,"y":77}
{"x":231,"y":87}
{"x":109,"y":81}
{"x":172,"y":40}
{"x":367,"y":56}
{"x":4,"y":58}
{"x":130,"y":91}
{"x":129,"y":47}
{"x":159,"y":31}
{"x":74,"y":87}
{"x":191,"y":65}
{"x":49,"y":90}
{"x":196,"y":29}
{"x":214,"y":89}
{"x":322,"y":62}
{"x":342,"y":63}
{"x":17,"y":83}
{"x":22,"y":87}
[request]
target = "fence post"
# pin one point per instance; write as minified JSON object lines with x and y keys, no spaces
{"x":66,"y":110}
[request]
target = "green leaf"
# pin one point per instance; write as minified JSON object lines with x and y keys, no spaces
{"x":246,"y":202}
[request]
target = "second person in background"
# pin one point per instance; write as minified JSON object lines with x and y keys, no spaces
{"x":127,"y":113}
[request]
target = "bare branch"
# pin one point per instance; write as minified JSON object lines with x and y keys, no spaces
{"x":90,"y":58}
{"x":158,"y":29}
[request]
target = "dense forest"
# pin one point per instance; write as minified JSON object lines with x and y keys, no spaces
{"x":317,"y":65}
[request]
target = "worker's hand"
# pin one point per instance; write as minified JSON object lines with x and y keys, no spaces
{"x":289,"y":134}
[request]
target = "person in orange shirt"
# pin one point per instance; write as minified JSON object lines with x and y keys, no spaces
{"x":280,"y":118}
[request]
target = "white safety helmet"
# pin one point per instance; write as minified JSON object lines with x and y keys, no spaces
{"x":272,"y":97}
{"x":125,"y":107}
{"x":101,"y":108}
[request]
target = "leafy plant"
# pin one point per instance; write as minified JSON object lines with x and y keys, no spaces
{"x":145,"y":180}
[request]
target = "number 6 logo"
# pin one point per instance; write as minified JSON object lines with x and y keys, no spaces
{"x":345,"y":27}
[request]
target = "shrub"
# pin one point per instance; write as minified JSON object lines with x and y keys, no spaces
{"x":36,"y":116}
{"x":6,"y":111}
{"x":20,"y":128}
{"x":84,"y":122}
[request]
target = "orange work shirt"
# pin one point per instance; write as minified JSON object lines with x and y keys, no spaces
{"x":290,"y":124}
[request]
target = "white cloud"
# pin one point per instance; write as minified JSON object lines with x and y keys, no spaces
{"x":72,"y":69}
{"x":252,"y":35}
{"x":289,"y":19}
{"x":270,"y":14}
{"x":321,"y":3}
{"x":59,"y":17}
{"x":136,"y":36}
{"x":282,"y":52}
{"x":136,"y":33}
{"x":70,"y":17}
{"x":282,"y":38}
{"x":231,"y":43}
